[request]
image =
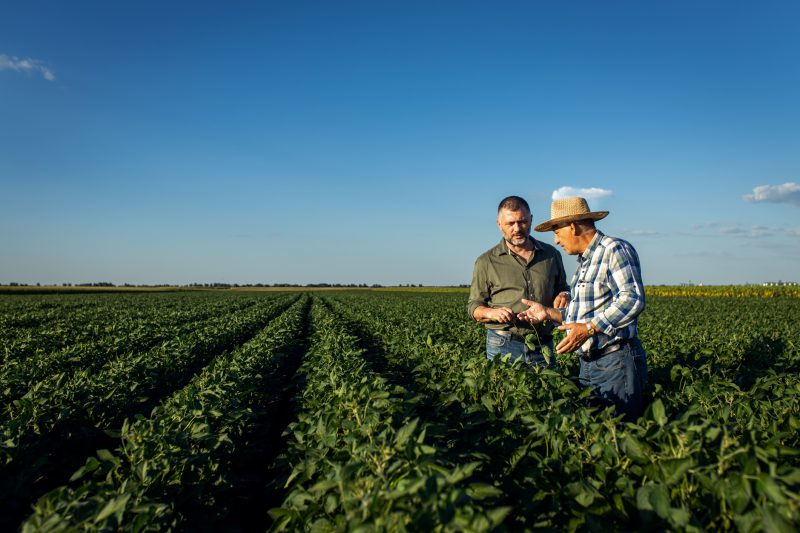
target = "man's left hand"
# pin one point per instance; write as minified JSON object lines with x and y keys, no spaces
{"x":561,"y":300}
{"x":576,"y":336}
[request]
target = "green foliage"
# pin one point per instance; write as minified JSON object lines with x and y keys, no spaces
{"x":401,"y":423}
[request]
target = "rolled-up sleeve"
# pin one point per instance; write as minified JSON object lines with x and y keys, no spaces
{"x":479,"y":289}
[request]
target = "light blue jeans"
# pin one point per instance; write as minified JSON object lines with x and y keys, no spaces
{"x":619,"y":379}
{"x":500,"y":343}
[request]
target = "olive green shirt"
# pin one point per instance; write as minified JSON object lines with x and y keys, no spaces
{"x":502,"y":279}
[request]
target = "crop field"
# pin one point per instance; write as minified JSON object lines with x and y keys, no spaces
{"x":378,"y":411}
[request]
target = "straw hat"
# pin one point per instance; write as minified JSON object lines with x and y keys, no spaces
{"x":565,"y":210}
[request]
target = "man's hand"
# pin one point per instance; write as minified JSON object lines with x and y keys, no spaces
{"x":561,"y":300}
{"x":576,"y":336}
{"x":501,"y":315}
{"x":535,"y":314}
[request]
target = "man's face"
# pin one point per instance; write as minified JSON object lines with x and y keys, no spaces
{"x":515,"y":225}
{"x":564,"y":236}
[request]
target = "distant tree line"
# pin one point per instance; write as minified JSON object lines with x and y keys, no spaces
{"x":219,"y":285}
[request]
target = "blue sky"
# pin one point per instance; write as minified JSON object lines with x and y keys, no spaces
{"x":304,"y":142}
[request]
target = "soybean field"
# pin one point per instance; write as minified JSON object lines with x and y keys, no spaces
{"x":378,"y":411}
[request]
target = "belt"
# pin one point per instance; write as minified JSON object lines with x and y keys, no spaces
{"x":545,"y":339}
{"x":592,"y":355}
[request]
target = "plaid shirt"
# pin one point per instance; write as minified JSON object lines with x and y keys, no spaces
{"x":607,"y":290}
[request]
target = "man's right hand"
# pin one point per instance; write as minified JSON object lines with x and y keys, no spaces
{"x":500,"y":315}
{"x":535,"y":314}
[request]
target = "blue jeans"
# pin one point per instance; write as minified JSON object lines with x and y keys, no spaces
{"x":500,"y":343}
{"x":619,"y":379}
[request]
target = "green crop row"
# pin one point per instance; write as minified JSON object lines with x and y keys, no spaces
{"x":683,"y":466}
{"x":174,"y":462}
{"x":18,"y":375}
{"x":70,"y":322}
{"x":357,"y":463}
{"x":396,"y":419}
{"x":76,"y":407}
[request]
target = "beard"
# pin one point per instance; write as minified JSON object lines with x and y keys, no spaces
{"x":517,"y":241}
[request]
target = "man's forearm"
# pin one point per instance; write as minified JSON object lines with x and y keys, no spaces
{"x":480,"y":314}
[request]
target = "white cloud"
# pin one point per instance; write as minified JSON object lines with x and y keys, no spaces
{"x":590,"y":193}
{"x":752,"y":231}
{"x":25,"y":65}
{"x":787,"y":193}
{"x":643,"y":233}
{"x":756,"y":231}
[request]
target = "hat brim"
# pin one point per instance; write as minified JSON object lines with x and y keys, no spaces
{"x":553,"y":222}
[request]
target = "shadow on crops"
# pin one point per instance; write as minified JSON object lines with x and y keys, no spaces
{"x":45,"y":467}
{"x":256,"y":474}
{"x":762,"y":356}
{"x":50,"y":462}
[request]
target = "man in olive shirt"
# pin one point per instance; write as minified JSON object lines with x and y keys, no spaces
{"x":519,"y":267}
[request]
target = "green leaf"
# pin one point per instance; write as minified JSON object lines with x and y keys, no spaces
{"x":635,"y":450}
{"x":659,"y":414}
{"x":462,"y":472}
{"x":679,"y":517}
{"x":659,"y":499}
{"x":487,"y":402}
{"x":91,"y":465}
{"x":585,"y":498}
{"x":530,"y":341}
{"x":768,"y":487}
{"x":405,"y":432}
{"x":480,"y":491}
{"x":498,"y":514}
{"x":712,"y":433}
{"x":114,"y":506}
{"x":643,"y":498}
{"x":773,"y":520}
{"x":673,"y":470}
{"x":105,"y":455}
{"x":547,"y":353}
{"x":323,"y":486}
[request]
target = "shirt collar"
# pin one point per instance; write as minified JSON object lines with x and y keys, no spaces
{"x":587,"y":253}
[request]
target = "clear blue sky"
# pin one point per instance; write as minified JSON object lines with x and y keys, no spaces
{"x":303,"y":142}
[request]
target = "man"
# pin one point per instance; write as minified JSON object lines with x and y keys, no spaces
{"x":516,"y":269}
{"x":607,"y":298}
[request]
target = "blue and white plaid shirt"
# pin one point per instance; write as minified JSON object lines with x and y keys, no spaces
{"x":607,"y":290}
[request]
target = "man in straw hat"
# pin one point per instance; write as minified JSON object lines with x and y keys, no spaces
{"x":518,"y":268}
{"x":607,"y":298}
